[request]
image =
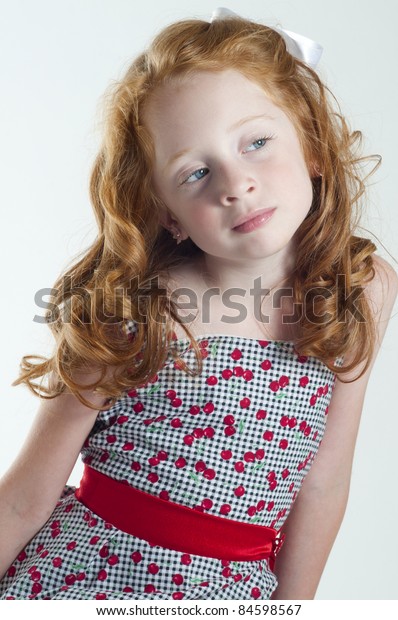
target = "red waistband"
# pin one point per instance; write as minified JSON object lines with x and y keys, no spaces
{"x":173,"y":526}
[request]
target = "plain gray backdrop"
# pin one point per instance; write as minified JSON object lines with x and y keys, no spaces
{"x":56,"y":59}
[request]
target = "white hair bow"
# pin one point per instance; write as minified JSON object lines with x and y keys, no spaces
{"x":300,"y":47}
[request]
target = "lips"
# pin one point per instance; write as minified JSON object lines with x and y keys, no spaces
{"x":252,"y":220}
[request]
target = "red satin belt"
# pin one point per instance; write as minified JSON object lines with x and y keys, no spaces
{"x":173,"y":526}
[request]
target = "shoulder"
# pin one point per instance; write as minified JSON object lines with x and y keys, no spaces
{"x":382,"y":290}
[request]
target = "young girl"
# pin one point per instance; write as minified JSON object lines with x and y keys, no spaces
{"x":214,"y":345}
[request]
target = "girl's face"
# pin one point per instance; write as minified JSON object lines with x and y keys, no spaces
{"x":225,"y":153}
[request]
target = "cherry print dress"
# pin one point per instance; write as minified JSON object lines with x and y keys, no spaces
{"x":235,"y":442}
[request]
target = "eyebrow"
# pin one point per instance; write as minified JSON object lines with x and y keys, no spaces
{"x":235,"y":126}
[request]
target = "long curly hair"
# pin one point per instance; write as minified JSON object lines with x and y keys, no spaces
{"x":122,"y":277}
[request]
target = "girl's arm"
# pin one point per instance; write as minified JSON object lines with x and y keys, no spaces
{"x":32,"y":486}
{"x":315,"y":519}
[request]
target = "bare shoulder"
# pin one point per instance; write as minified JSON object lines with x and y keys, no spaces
{"x":382,"y":290}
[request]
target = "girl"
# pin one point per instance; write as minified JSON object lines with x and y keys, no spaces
{"x":210,"y":471}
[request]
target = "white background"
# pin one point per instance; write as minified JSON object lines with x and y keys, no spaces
{"x":56,"y":59}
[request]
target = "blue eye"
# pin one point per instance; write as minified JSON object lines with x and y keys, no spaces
{"x":197,"y":172}
{"x":259,"y":143}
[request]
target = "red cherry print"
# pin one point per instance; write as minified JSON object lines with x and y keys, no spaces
{"x":271,"y":476}
{"x":239,"y":491}
{"x":226,"y":374}
{"x":35,"y":575}
{"x":11,"y":571}
{"x":203,"y":344}
{"x":176,"y":423}
{"x":188,"y":440}
{"x":255,"y":592}
{"x":292,"y":422}
{"x":55,"y":524}
{"x":206,"y":504}
{"x":70,"y":579}
{"x":194,"y":410}
{"x":225,"y":562}
{"x":302,"y":359}
{"x":149,"y":588}
{"x":229,"y":431}
{"x":122,"y":419}
{"x":104,"y":457}
{"x":226,"y":454}
{"x":209,"y":474}
{"x":284,"y":421}
{"x":68,"y":507}
{"x":236,"y":354}
{"x":249,"y":457}
{"x":263,"y":343}
{"x":251,"y":511}
{"x":162,"y":455}
{"x":36,"y":588}
{"x":177,"y":595}
{"x":237,"y":577}
{"x":164,"y":495}
{"x":128,"y":589}
{"x":55,"y":533}
{"x":274,"y":386}
{"x":225,"y":509}
{"x":136,"y":557}
{"x":180,"y":462}
{"x":313,"y":400}
{"x":315,"y":435}
{"x":152,"y":477}
{"x":212,"y":380}
{"x":307,"y":431}
{"x":285,"y":473}
{"x":304,"y":381}
{"x":135,"y":466}
{"x":198,"y":433}
{"x":283,"y":381}
{"x":272,"y":485}
{"x":171,"y":394}
{"x":153,"y":568}
{"x":113,"y":559}
{"x":260,"y":453}
{"x":229,"y":419}
{"x":186,"y":559}
{"x":44,"y":554}
{"x":153,"y":461}
{"x":283,"y":444}
{"x":100,"y":596}
{"x":248,"y":375}
{"x":71,"y":545}
{"x":178,"y":579}
{"x":226,"y":572}
{"x":319,"y":391}
{"x":200,"y":466}
{"x":268,"y":435}
{"x":326,"y":389}
{"x":32,"y":569}
{"x":128,"y":446}
{"x":149,"y":421}
{"x":238,"y":371}
{"x":239,"y":466}
{"x":302,"y":426}
{"x":266,"y":365}
{"x":245,"y":403}
{"x":209,"y":432}
{"x":208,"y":408}
{"x":111,"y":438}
{"x":138,"y":407}
{"x":260,"y":505}
{"x":80,"y":576}
{"x":104,"y":551}
{"x":261,"y":414}
{"x":270,"y":506}
{"x":176,"y":402}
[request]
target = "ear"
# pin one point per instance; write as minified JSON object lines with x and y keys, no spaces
{"x":315,"y":170}
{"x":171,"y":224}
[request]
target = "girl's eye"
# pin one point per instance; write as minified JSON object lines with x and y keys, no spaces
{"x":258,"y":144}
{"x":201,"y":171}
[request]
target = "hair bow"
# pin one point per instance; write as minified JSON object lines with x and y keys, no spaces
{"x":302,"y":48}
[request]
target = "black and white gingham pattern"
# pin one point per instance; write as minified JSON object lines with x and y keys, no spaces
{"x":235,"y":442}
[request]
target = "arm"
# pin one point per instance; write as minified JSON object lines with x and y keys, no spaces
{"x":315,"y":519}
{"x":32,"y":486}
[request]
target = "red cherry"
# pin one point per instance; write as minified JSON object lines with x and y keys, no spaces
{"x":209,"y":474}
{"x":153,"y":461}
{"x":283,"y":444}
{"x":226,"y":572}
{"x":270,"y":506}
{"x":283,"y":381}
{"x":209,"y":432}
{"x":176,"y":423}
{"x":55,"y":533}
{"x":186,"y":559}
{"x":80,"y":576}
{"x":255,"y":592}
{"x":251,"y":511}
{"x":266,"y":365}
{"x":225,"y":509}
{"x":188,"y":440}
{"x":111,"y":438}
{"x":207,"y":503}
{"x":313,"y":400}
{"x":152,"y":477}
{"x":153,"y":568}
{"x":307,"y":431}
{"x":194,"y":410}
{"x":272,"y":485}
{"x":176,"y":402}
{"x":136,"y":557}
{"x":128,"y":589}
{"x":198,"y":433}
{"x":101,"y":596}
{"x":104,"y":457}
{"x":248,"y":375}
{"x":271,"y":476}
{"x":180,"y":462}
{"x":292,"y":422}
{"x":226,"y":374}
{"x":274,"y":386}
{"x":112,"y":560}
{"x":128,"y":446}
{"x":284,"y":421}
{"x":260,"y":505}
{"x":212,"y":380}
{"x":236,"y":354}
{"x":238,"y":371}
{"x":36,"y":588}
{"x":178,"y":579}
{"x":135,"y":466}
{"x":304,"y":381}
{"x":122,"y":419}
{"x":229,"y":419}
{"x":263,"y":343}
{"x":164,"y":495}
{"x":319,"y":391}
{"x":104,"y":551}
{"x":171,"y":394}
{"x":200,"y":466}
{"x":249,"y":457}
{"x":302,"y":359}
{"x":285,"y":473}
{"x":162,"y":455}
{"x":208,"y":408}
{"x":268,"y":435}
{"x":71,"y":545}
{"x":239,"y":491}
{"x":70,"y":579}
{"x":260,"y":453}
{"x":177,"y":595}
{"x":138,"y":407}
{"x":245,"y":403}
{"x":229,"y":431}
{"x":239,"y":466}
{"x":226,"y":454}
{"x":149,"y":588}
{"x":35,"y":575}
{"x":261,"y":414}
{"x":326,"y":389}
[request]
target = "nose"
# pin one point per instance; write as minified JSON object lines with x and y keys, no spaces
{"x":234,"y":182}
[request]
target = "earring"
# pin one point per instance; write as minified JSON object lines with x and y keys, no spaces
{"x":177,"y":236}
